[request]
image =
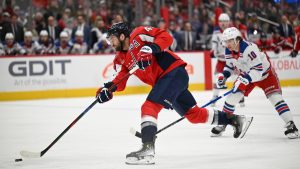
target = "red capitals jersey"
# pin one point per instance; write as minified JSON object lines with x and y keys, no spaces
{"x":264,"y":45}
{"x":297,"y":39}
{"x":162,"y":62}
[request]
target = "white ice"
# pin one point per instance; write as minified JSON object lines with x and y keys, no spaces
{"x":101,"y":139}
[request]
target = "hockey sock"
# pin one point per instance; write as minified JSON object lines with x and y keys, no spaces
{"x":281,"y":107}
{"x":222,"y":118}
{"x":149,"y":128}
{"x":200,"y":115}
{"x":216,"y":92}
{"x":232,"y":100}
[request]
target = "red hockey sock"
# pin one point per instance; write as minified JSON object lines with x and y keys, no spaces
{"x":197,"y":115}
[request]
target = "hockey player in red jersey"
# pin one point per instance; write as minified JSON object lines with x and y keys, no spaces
{"x":254,"y":70}
{"x":296,"y":47}
{"x":164,"y":71}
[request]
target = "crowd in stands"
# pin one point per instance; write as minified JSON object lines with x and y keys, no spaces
{"x":29,"y":27}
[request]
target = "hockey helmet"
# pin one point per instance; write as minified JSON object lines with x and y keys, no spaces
{"x":79,"y":33}
{"x":28,"y":34}
{"x":231,"y":33}
{"x":224,"y":17}
{"x":117,"y":29}
{"x":43,"y":33}
{"x":63,"y":34}
{"x":9,"y":36}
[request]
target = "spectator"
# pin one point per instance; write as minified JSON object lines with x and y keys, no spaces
{"x":296,"y":47}
{"x":11,"y":48}
{"x":79,"y":45}
{"x":39,"y":22}
{"x":187,"y":38}
{"x":285,"y":28}
{"x":6,"y":21}
{"x":102,"y":46}
{"x":98,"y":31}
{"x":162,"y":25}
{"x":52,"y":29}
{"x":30,"y":46}
{"x":63,"y":46}
{"x":263,"y":43}
{"x":81,"y":26}
{"x":279,"y":42}
{"x":46,"y":43}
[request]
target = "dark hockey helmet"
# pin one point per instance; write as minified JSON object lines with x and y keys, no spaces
{"x":119,"y":28}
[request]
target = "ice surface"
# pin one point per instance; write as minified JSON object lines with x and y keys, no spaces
{"x":101,"y":139}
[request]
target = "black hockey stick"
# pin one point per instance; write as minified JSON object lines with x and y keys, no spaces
{"x":138,"y":134}
{"x":29,"y":154}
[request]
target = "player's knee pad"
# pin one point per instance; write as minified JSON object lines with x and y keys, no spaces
{"x":199,"y":115}
{"x":234,"y":98}
{"x":151,"y":109}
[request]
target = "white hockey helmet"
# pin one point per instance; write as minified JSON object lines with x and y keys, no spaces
{"x":43,"y":33}
{"x":28,"y":34}
{"x":79,"y":33}
{"x":224,"y":17}
{"x":64,"y":34}
{"x":9,"y":36}
{"x":231,"y":33}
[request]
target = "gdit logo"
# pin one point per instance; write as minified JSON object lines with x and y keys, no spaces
{"x":38,"y":67}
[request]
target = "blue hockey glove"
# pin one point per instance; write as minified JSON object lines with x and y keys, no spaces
{"x":104,"y":95}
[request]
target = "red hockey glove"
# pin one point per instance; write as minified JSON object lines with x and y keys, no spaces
{"x":221,"y":79}
{"x":144,"y":57}
{"x":240,"y":84}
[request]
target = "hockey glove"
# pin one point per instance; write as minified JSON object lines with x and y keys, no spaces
{"x":107,"y":85}
{"x":294,"y":53}
{"x":104,"y":95}
{"x":240,"y":84}
{"x":221,"y":79}
{"x":144,"y":57}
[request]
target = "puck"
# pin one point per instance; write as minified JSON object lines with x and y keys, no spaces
{"x":18,"y":159}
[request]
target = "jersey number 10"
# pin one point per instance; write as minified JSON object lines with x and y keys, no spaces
{"x":252,"y":55}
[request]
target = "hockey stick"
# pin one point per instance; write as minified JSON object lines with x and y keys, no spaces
{"x":138,"y":134}
{"x":29,"y":154}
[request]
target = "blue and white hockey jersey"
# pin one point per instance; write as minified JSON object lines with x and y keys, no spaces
{"x":248,"y":61}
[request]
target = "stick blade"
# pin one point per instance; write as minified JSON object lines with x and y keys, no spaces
{"x":28,"y":154}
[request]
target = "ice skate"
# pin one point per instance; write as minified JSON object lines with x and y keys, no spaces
{"x":292,"y":131}
{"x":144,"y":156}
{"x":240,"y":125}
{"x":218,"y":130}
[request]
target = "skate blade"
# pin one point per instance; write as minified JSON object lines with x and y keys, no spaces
{"x":248,"y":121}
{"x":216,"y":135}
{"x":148,"y":160}
{"x":294,"y":135}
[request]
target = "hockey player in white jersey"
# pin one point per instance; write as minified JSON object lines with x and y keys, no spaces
{"x":30,"y":46}
{"x":219,"y":52}
{"x":254,"y":70}
{"x":10,"y":47}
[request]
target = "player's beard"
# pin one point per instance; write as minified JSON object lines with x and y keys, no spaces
{"x":120,"y":46}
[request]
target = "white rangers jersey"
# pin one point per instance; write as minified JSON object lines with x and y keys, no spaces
{"x":217,"y":46}
{"x":32,"y":49}
{"x":249,"y":60}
